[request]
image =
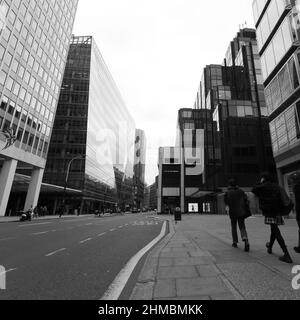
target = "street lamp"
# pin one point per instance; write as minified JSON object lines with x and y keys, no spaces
{"x":67,"y":177}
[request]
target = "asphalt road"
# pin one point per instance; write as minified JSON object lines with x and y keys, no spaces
{"x":70,"y":258}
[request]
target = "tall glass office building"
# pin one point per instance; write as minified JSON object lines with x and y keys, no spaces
{"x":34,"y":41}
{"x":94,"y":128}
{"x":278,"y":33}
{"x":234,"y":94}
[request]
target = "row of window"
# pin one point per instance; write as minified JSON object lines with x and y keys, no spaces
{"x":283,"y":84}
{"x":27,"y":140}
{"x":269,"y":21}
{"x":258,"y":7}
{"x":277,"y":48}
{"x":16,"y":113}
{"x":285,"y":129}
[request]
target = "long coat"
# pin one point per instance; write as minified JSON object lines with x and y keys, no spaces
{"x":235,"y":198}
{"x":297,"y":198}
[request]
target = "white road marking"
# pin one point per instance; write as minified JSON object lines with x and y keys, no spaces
{"x":34,"y":224}
{"x":54,"y":252}
{"x":112,"y":230}
{"x":101,"y":234}
{"x":7,"y":271}
{"x":120,"y":227}
{"x":39,"y":233}
{"x":86,"y":240}
{"x":5,"y":239}
{"x":88,"y":224}
{"x":115,"y":289}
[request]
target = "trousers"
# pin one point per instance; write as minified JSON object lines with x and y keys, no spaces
{"x":241,"y":223}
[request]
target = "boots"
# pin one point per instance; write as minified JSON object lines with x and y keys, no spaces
{"x":269,"y":247}
{"x":247,"y":246}
{"x":297,"y":249}
{"x":286,"y":258}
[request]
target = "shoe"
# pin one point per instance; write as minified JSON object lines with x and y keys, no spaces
{"x":247,"y":246}
{"x":286,"y":258}
{"x":234,"y":245}
{"x":269,"y":248}
{"x":297,"y":249}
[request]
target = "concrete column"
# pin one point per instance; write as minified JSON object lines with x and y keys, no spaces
{"x":182,"y":181}
{"x":55,"y":207}
{"x":159,"y":189}
{"x":6,"y":180}
{"x":34,"y":188}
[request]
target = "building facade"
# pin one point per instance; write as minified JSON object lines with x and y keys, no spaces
{"x":139,"y":168}
{"x":278,"y":33}
{"x":234,"y":93}
{"x":34,"y":42}
{"x":93,"y":135}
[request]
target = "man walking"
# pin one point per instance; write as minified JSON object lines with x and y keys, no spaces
{"x":235,"y":199}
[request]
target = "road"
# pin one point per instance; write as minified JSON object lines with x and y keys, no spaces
{"x":70,"y":258}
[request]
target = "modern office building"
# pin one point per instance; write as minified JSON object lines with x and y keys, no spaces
{"x":186,"y":170}
{"x":278,"y":34}
{"x":139,"y":168}
{"x":93,"y":136}
{"x":234,"y":93}
{"x":169,"y":179}
{"x":34,"y":42}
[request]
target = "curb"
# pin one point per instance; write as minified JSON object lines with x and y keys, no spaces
{"x":144,"y":288}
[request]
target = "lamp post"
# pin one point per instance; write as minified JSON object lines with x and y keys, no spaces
{"x":67,"y":178}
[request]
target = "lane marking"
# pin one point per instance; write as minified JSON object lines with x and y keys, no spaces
{"x":115,"y":289}
{"x":88,"y":224}
{"x":86,"y":240}
{"x":7,"y":271}
{"x":39,"y":233}
{"x":34,"y":224}
{"x":120,"y":227}
{"x":111,"y":230}
{"x":5,"y":239}
{"x":101,"y":234}
{"x":54,"y":252}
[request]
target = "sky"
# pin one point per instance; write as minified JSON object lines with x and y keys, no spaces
{"x":156,"y":51}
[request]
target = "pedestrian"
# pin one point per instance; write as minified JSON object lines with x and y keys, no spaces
{"x":296,"y":178}
{"x":236,"y":200}
{"x":270,"y":203}
{"x":36,"y":212}
{"x":61,"y":211}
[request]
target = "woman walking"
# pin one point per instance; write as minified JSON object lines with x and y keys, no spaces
{"x":236,"y":200}
{"x":269,"y":195}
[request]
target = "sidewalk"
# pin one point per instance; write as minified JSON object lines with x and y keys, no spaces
{"x":196,"y":262}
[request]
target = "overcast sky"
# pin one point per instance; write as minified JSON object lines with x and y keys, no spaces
{"x":156,"y":51}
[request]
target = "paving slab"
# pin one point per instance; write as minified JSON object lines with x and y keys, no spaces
{"x":177,"y":272}
{"x":200,"y":287}
{"x":165,"y":288}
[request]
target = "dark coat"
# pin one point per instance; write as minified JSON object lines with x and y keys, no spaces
{"x":269,"y":195}
{"x":235,"y":198}
{"x":297,"y":199}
